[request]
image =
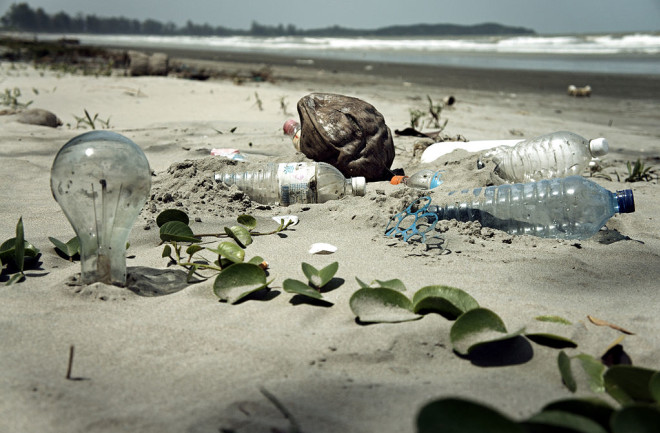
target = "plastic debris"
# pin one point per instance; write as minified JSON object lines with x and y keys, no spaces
{"x":321,"y":248}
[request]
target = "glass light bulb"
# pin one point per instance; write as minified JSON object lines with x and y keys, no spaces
{"x":101,"y":180}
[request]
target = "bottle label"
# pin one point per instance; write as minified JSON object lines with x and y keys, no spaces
{"x":297,"y":183}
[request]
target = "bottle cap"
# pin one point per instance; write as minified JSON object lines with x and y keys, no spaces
{"x":359,"y":184}
{"x":396,"y":180}
{"x":290,"y":126}
{"x":626,"y":201}
{"x":598,"y":146}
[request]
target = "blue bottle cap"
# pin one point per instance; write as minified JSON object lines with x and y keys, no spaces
{"x":626,"y":201}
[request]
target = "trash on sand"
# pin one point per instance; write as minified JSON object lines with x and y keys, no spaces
{"x":286,"y":220}
{"x":346,"y":132}
{"x":294,"y":182}
{"x":321,"y":248}
{"x":558,"y":154}
{"x":423,"y":179}
{"x":415,"y":220}
{"x":233,"y":154}
{"x":292,"y":129}
{"x":579,"y":91}
{"x":436,"y":150}
{"x":563,"y":208}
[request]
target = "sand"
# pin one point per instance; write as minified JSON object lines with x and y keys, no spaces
{"x":183,"y":361}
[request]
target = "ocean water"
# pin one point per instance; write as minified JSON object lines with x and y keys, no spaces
{"x":633,"y":53}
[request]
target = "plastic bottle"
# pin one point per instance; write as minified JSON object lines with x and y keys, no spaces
{"x":558,"y":154}
{"x":294,"y":182}
{"x":292,"y":129}
{"x":565,"y":208}
{"x":423,"y":179}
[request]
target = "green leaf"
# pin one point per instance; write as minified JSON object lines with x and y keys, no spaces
{"x":594,"y":369}
{"x":69,"y":249}
{"x":551,"y":340}
{"x":7,"y":250}
{"x":231,"y":251}
{"x":554,"y":420}
{"x":239,"y":280}
{"x":311,"y":273}
{"x":553,"y":319}
{"x":172,"y":215}
{"x":167,"y":251}
{"x":654,"y":386}
{"x":447,"y":301}
{"x":629,"y":384}
{"x":636,"y":419}
{"x":372,"y":305}
{"x":394,"y":284}
{"x":452,"y":415}
{"x":192,"y":249}
{"x":177,"y":231}
{"x":19,"y":246}
{"x":16,"y":278}
{"x":248,"y":221}
{"x":595,"y":409}
{"x":300,"y":288}
{"x":319,"y":278}
{"x":327,"y":273}
{"x":256,"y":260}
{"x":476,"y":327}
{"x":240,"y":234}
{"x":564,"y":363}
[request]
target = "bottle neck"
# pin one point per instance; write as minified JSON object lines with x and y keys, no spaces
{"x":625,"y":201}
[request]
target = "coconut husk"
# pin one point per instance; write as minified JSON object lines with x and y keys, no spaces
{"x":346,"y":132}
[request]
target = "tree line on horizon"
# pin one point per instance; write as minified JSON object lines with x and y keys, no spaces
{"x":22,"y":17}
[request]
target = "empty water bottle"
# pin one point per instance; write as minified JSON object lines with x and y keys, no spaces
{"x":294,"y":182}
{"x":565,"y":208}
{"x":559,"y":154}
{"x":423,"y":179}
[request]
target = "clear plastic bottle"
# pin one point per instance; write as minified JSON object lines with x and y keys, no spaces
{"x":565,"y":208}
{"x":423,"y":179}
{"x":292,"y":129}
{"x":558,"y":154}
{"x":294,"y":182}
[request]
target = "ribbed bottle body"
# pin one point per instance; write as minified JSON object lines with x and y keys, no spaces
{"x":564,"y":208}
{"x":296,"y":182}
{"x":260,"y":185}
{"x":559,"y":154}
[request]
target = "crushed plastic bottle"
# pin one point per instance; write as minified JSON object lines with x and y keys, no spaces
{"x":294,"y":182}
{"x":558,"y":154}
{"x":423,"y":179}
{"x":564,"y":208}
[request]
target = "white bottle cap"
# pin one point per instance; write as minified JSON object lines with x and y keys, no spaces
{"x":598,"y":147}
{"x":359,"y":185}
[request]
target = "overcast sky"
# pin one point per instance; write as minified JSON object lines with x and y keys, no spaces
{"x":543,"y":16}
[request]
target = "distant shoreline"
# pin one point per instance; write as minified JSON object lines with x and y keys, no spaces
{"x":498,"y":80}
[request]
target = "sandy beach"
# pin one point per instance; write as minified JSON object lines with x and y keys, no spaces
{"x":186,"y":362}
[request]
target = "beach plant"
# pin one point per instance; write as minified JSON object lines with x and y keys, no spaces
{"x":69,"y":249}
{"x":235,"y":277}
{"x":17,"y":252}
{"x":638,"y":172}
{"x":10,"y":98}
{"x":317,"y":279}
{"x":258,"y":102}
{"x":90,"y":121}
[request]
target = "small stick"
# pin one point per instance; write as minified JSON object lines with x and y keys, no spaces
{"x":70,"y":366}
{"x":294,"y":426}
